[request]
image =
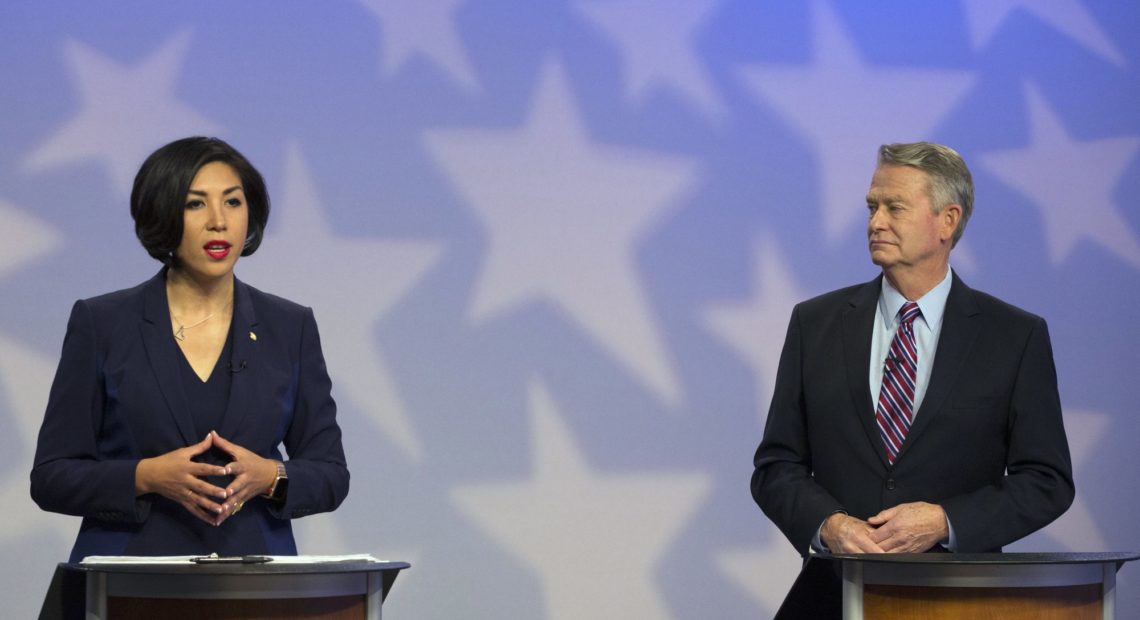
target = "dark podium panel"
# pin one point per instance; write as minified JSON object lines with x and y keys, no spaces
{"x":327,"y":590}
{"x":937,"y":586}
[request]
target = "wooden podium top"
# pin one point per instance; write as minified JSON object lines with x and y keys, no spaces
{"x":263,"y":568}
{"x":1119,"y":557}
{"x":287,"y":581}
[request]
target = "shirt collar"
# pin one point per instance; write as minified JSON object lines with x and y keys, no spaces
{"x":932,"y":304}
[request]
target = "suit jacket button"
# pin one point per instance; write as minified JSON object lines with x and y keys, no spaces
{"x":890,"y":484}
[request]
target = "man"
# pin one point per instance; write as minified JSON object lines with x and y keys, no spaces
{"x":913,"y":413}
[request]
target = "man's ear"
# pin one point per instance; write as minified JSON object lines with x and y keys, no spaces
{"x":948,"y":219}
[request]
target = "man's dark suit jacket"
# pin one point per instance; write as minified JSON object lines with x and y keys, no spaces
{"x":118,"y":398}
{"x":987,"y":443}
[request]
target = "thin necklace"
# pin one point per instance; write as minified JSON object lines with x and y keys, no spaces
{"x":180,"y":333}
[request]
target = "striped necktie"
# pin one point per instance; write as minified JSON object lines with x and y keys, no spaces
{"x":896,"y":398}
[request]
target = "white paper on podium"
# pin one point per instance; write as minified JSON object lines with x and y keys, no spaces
{"x":186,"y":559}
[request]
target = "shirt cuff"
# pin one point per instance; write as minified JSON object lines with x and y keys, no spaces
{"x":951,"y":542}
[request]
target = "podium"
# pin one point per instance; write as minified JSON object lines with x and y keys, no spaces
{"x":341,"y":590}
{"x":1013,"y":586}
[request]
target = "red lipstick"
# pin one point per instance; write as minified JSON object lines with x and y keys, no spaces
{"x":217,"y":249}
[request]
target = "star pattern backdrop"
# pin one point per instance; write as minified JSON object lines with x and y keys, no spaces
{"x":553,"y":245}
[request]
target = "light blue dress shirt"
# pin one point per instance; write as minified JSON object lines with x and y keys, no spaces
{"x":926,"y":330}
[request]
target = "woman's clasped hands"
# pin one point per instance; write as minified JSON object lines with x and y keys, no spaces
{"x":178,"y":477}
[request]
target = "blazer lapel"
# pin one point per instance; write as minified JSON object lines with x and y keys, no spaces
{"x":162,"y":353}
{"x":954,"y":343}
{"x":857,"y":320}
{"x":242,"y":363}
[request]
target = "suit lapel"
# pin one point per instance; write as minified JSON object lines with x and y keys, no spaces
{"x":162,"y":353}
{"x":857,"y":320}
{"x":243,"y":361}
{"x":954,"y":343}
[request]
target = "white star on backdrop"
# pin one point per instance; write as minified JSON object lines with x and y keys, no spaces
{"x":594,"y":538}
{"x":879,"y":105}
{"x":25,"y":380}
{"x":765,"y":572}
{"x":26,"y":238}
{"x":1070,"y":17}
{"x":755,"y":328}
{"x":351,"y":286}
{"x":1076,"y":199}
{"x":963,"y":260}
{"x":323,"y":535}
{"x":410,"y":27}
{"x":126,"y":112}
{"x":328,"y":534}
{"x":659,"y":47}
{"x":1076,"y":530}
{"x":564,"y":218}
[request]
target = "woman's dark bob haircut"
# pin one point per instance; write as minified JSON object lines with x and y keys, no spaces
{"x":158,"y":198}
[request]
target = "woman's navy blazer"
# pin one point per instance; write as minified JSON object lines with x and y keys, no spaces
{"x":117,"y":398}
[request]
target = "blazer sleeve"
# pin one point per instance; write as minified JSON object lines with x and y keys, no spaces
{"x":70,"y":475}
{"x":782,"y":482}
{"x":317,"y":470}
{"x":1038,"y":485}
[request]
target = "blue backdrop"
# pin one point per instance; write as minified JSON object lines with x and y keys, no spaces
{"x":553,"y":245}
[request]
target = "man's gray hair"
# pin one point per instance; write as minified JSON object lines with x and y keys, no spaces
{"x":950,"y":180}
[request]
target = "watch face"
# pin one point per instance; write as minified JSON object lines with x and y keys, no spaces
{"x":281,"y":488}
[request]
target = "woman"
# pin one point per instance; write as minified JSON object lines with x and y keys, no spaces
{"x":171,"y":398}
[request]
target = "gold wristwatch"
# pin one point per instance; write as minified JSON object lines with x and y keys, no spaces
{"x":280,"y":485}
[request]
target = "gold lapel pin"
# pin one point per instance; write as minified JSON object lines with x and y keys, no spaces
{"x":253,"y":336}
